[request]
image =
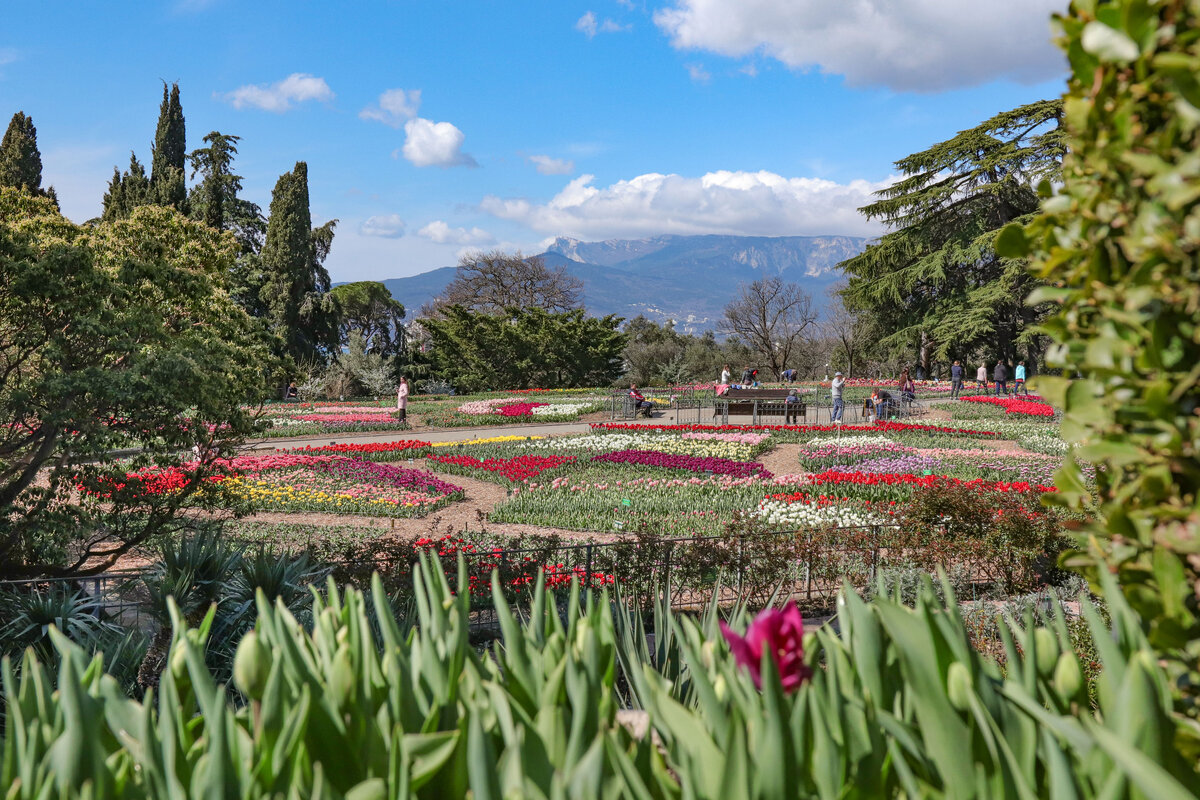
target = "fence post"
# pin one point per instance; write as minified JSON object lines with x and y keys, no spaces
{"x":739,"y":558}
{"x":754,"y":413}
{"x":808,"y":561}
{"x":874,"y":551}
{"x":667,"y":574}
{"x":588,"y":574}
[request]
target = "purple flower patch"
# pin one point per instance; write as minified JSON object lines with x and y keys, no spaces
{"x":716,"y":466}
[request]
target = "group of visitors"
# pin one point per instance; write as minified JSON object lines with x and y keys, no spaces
{"x":999,"y":375}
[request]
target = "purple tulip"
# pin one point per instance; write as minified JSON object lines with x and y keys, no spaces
{"x":779,"y":632}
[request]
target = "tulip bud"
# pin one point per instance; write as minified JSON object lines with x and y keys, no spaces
{"x":1047,"y":651}
{"x":251,"y":666}
{"x":1068,"y":678}
{"x":958,"y":686}
{"x":342,"y":679}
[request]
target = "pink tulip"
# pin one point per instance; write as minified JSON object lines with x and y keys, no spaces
{"x":780,"y":632}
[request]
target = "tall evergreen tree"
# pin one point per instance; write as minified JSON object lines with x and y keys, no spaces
{"x":20,"y":161}
{"x":170,"y":152}
{"x":126,"y":191}
{"x":295,"y":293}
{"x":934,"y":283}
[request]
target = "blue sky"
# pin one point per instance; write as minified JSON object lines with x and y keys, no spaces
{"x":432,"y":127}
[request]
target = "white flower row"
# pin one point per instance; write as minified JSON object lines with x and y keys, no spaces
{"x":560,"y":408}
{"x":851,"y":441}
{"x":641,"y":441}
{"x":799,"y":515}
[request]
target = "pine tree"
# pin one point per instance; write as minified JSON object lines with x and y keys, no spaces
{"x":20,"y":161}
{"x":170,"y":153}
{"x":934,"y":282}
{"x":295,"y":293}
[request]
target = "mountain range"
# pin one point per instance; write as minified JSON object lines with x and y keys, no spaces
{"x":687,"y":279}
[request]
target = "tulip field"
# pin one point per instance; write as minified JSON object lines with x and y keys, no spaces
{"x":671,"y":480}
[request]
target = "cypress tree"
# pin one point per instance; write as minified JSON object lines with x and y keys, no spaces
{"x":170,"y":152}
{"x":20,"y":161}
{"x":296,"y":287}
{"x":127,"y":191}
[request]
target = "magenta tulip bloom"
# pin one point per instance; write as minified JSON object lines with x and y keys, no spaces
{"x":780,"y":632}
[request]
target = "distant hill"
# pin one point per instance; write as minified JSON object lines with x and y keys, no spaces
{"x":688,"y":279}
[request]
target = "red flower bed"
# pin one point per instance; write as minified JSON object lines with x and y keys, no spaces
{"x":1030,"y":407}
{"x":515,"y":469}
{"x":837,"y":478}
{"x":373,"y":451}
{"x":518,"y":409}
{"x":874,"y":428}
{"x":149,"y":481}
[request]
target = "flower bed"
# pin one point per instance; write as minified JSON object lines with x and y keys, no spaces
{"x":373,"y":451}
{"x":294,"y":482}
{"x":712,"y":466}
{"x":1031,"y":406}
{"x":799,"y":430}
{"x":509,"y":469}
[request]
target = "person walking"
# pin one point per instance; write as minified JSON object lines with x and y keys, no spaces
{"x":956,"y":380}
{"x":981,"y":378}
{"x":1019,"y":377}
{"x":908,"y":389}
{"x":839,"y":406}
{"x":1000,"y":376}
{"x":402,"y":399}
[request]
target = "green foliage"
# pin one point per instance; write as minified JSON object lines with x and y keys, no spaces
{"x":368,"y":309}
{"x":934,"y":283}
{"x":20,"y":161}
{"x":1118,"y":243}
{"x":295,"y":291}
{"x":359,"y":372}
{"x":117,"y":336}
{"x":359,"y":705}
{"x":525,"y":348}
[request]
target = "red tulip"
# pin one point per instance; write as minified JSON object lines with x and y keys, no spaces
{"x":779,"y":632}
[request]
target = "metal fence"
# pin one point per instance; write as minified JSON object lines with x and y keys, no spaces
{"x":684,"y":402}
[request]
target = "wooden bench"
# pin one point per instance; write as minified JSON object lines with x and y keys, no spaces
{"x":759,"y":403}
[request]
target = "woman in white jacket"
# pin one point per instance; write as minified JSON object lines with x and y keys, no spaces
{"x":402,"y":399}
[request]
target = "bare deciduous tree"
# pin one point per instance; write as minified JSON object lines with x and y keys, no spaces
{"x":849,"y":331}
{"x":772,"y":318}
{"x":490,"y":282}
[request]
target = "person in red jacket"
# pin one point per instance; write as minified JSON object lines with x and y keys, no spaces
{"x":640,"y":403}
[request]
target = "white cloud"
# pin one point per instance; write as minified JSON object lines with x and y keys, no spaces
{"x":547,"y":165}
{"x":440,"y":232}
{"x":698,"y":73}
{"x":435,"y":144}
{"x":278,"y":97}
{"x":396,"y":106}
{"x":589,"y":25}
{"x":740,"y":203}
{"x":906,"y":45}
{"x":389,"y":226}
